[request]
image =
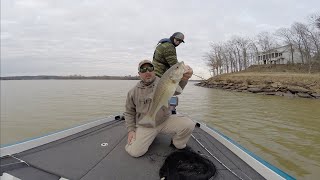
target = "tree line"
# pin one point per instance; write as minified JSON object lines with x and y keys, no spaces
{"x":239,"y":52}
{"x":71,"y":77}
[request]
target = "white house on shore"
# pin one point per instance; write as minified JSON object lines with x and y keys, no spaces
{"x":280,"y":55}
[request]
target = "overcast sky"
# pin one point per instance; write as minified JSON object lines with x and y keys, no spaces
{"x":104,"y":37}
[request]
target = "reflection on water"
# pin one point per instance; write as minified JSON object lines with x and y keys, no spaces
{"x":283,"y":131}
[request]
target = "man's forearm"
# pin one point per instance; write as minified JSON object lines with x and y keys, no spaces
{"x":130,"y":122}
{"x":131,"y":128}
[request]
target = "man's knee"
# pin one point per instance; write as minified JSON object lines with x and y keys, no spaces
{"x":134,"y":152}
{"x":189,"y":124}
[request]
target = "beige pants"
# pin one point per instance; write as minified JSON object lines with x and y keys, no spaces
{"x":180,"y":126}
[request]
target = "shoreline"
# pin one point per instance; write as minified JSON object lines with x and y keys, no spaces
{"x":276,"y":84}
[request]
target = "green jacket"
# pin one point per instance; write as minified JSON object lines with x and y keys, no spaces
{"x":164,"y":57}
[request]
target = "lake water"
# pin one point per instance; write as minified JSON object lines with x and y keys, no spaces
{"x":283,"y":131}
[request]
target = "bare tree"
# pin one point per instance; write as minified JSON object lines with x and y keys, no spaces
{"x":297,"y":41}
{"x":300,"y":30}
{"x":314,"y":32}
{"x":255,"y":52}
{"x":225,"y":59}
{"x":230,"y":50}
{"x":239,"y":53}
{"x":243,"y":44}
{"x":314,"y":20}
{"x":315,"y":39}
{"x":216,"y":52}
{"x":210,"y":61}
{"x":310,"y":42}
{"x":215,"y":59}
{"x":287,"y":37}
{"x":265,"y":41}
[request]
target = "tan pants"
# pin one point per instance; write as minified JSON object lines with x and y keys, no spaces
{"x":180,"y":126}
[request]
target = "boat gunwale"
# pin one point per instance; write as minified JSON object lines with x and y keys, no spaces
{"x":50,"y":137}
{"x":263,"y":167}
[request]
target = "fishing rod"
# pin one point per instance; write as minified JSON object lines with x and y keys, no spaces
{"x":206,"y":80}
{"x":199,"y":77}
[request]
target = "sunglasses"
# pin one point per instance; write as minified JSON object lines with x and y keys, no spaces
{"x":145,"y":69}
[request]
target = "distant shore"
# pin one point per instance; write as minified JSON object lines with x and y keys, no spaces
{"x":288,"y":83}
{"x":73,"y":77}
{"x":45,"y":77}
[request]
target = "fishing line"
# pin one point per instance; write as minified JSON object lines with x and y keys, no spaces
{"x":199,"y":77}
{"x":238,"y":123}
{"x":215,"y":157}
{"x":20,"y":160}
{"x":206,"y":80}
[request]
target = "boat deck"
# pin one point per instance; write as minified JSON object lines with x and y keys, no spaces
{"x":83,"y":156}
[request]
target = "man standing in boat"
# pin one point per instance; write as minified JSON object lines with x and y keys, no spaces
{"x":165,"y":54}
{"x":140,"y":136}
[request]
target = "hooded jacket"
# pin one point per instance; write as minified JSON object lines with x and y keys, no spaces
{"x":138,"y":102}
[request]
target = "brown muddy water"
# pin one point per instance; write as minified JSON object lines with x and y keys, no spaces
{"x":283,"y":131}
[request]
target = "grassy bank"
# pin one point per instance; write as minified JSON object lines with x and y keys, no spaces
{"x":282,"y":80}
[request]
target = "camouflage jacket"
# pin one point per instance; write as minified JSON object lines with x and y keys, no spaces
{"x":164,"y":57}
{"x":138,"y":102}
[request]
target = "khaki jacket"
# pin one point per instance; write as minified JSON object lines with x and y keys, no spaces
{"x":138,"y":102}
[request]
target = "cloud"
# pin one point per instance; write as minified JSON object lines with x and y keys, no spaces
{"x":97,"y":37}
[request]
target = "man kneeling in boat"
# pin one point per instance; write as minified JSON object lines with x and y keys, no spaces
{"x":139,"y":100}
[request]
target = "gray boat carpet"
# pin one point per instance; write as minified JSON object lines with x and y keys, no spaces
{"x":73,"y":159}
{"x":82,"y":156}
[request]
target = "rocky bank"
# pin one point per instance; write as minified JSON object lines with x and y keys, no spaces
{"x":279,"y":80}
{"x":269,"y":88}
